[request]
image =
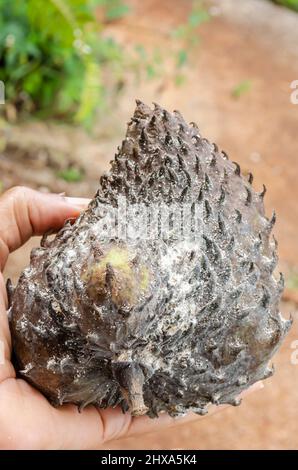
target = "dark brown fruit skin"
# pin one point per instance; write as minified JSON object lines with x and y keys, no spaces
{"x":154,"y":325}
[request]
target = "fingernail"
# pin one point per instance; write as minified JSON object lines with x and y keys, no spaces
{"x":260,"y":385}
{"x":79,"y":202}
{"x":257,"y":386}
{"x":253,"y":388}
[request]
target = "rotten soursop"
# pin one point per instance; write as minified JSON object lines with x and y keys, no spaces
{"x":161,"y":295}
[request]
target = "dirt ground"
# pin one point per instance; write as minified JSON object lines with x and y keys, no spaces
{"x":259,"y":130}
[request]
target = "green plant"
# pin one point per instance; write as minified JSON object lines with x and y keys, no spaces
{"x":188,"y":37}
{"x":52,"y":53}
{"x":71,"y":175}
{"x":292,"y":280}
{"x":56,"y":60}
{"x":241,"y":88}
{"x":293,"y":4}
{"x":184,"y":40}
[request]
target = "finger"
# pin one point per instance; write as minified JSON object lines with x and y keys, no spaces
{"x":25,"y":212}
{"x":144,"y":424}
{"x":65,"y":427}
{"x":80,"y":202}
{"x":40,"y":426}
{"x":102,"y":426}
{"x":94,"y":427}
{"x":6,"y":368}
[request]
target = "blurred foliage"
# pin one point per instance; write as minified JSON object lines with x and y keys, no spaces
{"x":184,"y":40}
{"x":149,"y":61}
{"x":71,"y":175}
{"x":188,"y":36}
{"x":292,"y":280}
{"x":293,"y":4}
{"x":241,"y":88}
{"x":51,"y":55}
{"x":57,"y":61}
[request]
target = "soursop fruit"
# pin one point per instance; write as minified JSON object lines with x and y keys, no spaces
{"x":161,"y":295}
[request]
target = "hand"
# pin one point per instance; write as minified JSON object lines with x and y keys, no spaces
{"x":27,"y":420}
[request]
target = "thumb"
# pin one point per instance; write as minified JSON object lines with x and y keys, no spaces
{"x":25,"y":212}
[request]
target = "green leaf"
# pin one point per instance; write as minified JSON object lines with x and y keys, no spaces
{"x":92,"y":93}
{"x":180,"y":31}
{"x":32,"y":82}
{"x":293,"y":4}
{"x":117,"y":11}
{"x":182,"y":58}
{"x":292,"y":280}
{"x":180,"y":79}
{"x":71,"y":175}
{"x":242,"y":88}
{"x":151,"y":71}
{"x":198,"y":17}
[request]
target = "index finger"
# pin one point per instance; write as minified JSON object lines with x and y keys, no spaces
{"x":25,"y":212}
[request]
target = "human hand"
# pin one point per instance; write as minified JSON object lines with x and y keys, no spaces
{"x":27,"y":420}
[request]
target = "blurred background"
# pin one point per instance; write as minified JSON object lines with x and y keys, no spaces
{"x":71,"y":71}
